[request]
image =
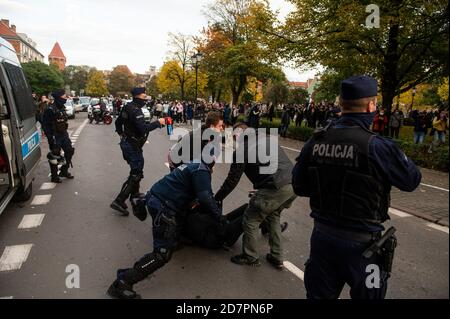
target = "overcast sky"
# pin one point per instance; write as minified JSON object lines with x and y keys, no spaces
{"x":106,"y":33}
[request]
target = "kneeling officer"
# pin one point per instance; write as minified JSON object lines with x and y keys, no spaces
{"x":167,"y":202}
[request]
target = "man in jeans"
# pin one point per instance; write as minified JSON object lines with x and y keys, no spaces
{"x":273,"y":194}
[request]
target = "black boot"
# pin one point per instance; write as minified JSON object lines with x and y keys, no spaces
{"x":65,"y":172}
{"x":54,"y":174}
{"x":121,"y":290}
{"x":127,"y":188}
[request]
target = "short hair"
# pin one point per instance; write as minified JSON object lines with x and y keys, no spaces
{"x":240,"y":125}
{"x":213,"y":118}
{"x":356,"y":105}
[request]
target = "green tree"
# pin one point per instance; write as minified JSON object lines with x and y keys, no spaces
{"x":409,"y":47}
{"x":152,"y":87}
{"x":121,"y":80}
{"x":42,"y":78}
{"x":298,"y":96}
{"x":76,"y":77}
{"x":276,"y":93}
{"x":96,"y":84}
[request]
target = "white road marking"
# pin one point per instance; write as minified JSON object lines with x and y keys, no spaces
{"x":41,"y":200}
{"x":14,"y":256}
{"x":31,"y":221}
{"x":438,"y":227}
{"x":9,"y":297}
{"x":291,"y":149}
{"x":398,"y":213}
{"x":435,"y":187}
{"x":294,"y":269}
{"x":48,"y":186}
{"x":81,"y":127}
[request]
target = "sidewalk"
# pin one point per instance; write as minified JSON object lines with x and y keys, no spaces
{"x":428,"y":202}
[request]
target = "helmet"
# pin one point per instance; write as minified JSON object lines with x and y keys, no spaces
{"x":56,"y":159}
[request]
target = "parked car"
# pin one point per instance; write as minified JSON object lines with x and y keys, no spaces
{"x":85,"y":102}
{"x":70,"y":110}
{"x":77,"y":106}
{"x":20,"y":151}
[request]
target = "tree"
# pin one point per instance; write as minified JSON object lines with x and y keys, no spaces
{"x":277,"y":93}
{"x":182,"y":51}
{"x":76,"y":77}
{"x":443,"y":92}
{"x":152,"y":87}
{"x":409,"y":47}
{"x":121,"y":80}
{"x":42,"y":78}
{"x":298,"y":96}
{"x":234,"y":54}
{"x":96,"y":84}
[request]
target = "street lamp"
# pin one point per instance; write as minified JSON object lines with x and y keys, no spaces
{"x":196,"y":59}
{"x":414,"y":91}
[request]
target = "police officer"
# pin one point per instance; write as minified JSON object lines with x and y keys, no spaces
{"x":167,"y":202}
{"x":274,"y":194}
{"x":131,"y":126}
{"x":347,"y":172}
{"x":55,"y":128}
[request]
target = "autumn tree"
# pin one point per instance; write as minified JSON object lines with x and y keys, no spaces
{"x":121,"y":80}
{"x":75,"y":76}
{"x":96,"y":84}
{"x":408,"y":47}
{"x":234,"y":52}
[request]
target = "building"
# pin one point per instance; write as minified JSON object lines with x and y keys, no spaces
{"x":57,"y":57}
{"x":25,"y":47}
{"x":296,"y":85}
{"x":151,"y":72}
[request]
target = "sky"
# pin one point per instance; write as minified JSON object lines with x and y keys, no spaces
{"x":106,"y":33}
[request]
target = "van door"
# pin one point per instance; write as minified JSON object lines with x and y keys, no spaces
{"x":7,"y":165}
{"x":23,"y":120}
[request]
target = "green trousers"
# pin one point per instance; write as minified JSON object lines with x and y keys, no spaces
{"x":266,"y":205}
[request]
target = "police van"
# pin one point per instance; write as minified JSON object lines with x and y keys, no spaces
{"x":20,"y":150}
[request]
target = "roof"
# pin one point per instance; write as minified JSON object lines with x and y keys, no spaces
{"x":56,"y":52}
{"x":299,"y":84}
{"x":7,"y":31}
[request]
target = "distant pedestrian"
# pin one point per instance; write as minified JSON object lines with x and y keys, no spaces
{"x":380,"y":122}
{"x":396,"y":122}
{"x":420,"y":126}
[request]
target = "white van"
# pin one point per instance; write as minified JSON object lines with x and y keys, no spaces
{"x":20,"y":150}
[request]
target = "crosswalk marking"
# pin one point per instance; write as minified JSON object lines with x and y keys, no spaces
{"x":41,"y":200}
{"x":14,"y":256}
{"x":48,"y":186}
{"x":31,"y":221}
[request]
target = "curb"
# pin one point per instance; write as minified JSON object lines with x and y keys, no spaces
{"x":423,"y":216}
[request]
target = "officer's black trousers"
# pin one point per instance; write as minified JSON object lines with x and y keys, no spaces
{"x":334,"y":262}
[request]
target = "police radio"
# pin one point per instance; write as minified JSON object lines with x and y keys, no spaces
{"x":169,"y":125}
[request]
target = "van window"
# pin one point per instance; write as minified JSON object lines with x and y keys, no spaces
{"x":21,"y":91}
{"x":3,"y":109}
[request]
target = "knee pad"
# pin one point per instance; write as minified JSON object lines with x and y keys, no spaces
{"x":152,"y":262}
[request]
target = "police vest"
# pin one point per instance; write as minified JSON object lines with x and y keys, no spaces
{"x":344,"y":182}
{"x":60,"y":125}
{"x":130,"y":130}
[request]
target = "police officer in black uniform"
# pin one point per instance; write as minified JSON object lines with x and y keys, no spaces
{"x":347,"y":172}
{"x":167,"y":202}
{"x":131,"y":126}
{"x":55,"y":127}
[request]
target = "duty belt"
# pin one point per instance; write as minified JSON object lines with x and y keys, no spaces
{"x":362,"y":237}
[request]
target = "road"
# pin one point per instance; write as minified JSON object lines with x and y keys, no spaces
{"x":72,"y":224}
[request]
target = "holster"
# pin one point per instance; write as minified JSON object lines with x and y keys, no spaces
{"x":387,"y":254}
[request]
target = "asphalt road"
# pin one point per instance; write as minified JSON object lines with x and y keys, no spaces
{"x":75,"y":226}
